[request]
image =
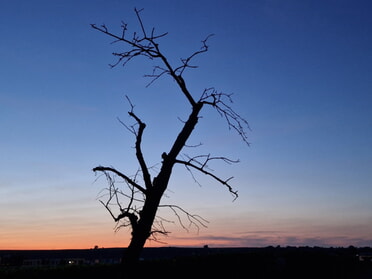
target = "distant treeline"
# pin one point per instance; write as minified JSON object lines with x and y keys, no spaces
{"x":269,"y":262}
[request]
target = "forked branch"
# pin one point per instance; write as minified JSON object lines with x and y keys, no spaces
{"x":113,"y":192}
{"x":220,"y":101}
{"x":202,"y":167}
{"x":193,"y":220}
{"x":146,"y":45}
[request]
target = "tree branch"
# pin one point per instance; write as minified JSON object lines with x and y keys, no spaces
{"x":126,"y":178}
{"x":218,"y":100}
{"x":193,"y":219}
{"x":124,"y":212}
{"x":185,"y":61}
{"x":186,"y":131}
{"x":139,"y":154}
{"x":146,"y":45}
{"x":202,"y":168}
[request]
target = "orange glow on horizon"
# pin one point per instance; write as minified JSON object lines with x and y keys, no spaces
{"x":31,"y":235}
{"x":35,"y":241}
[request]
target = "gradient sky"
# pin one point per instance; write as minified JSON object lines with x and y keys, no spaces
{"x":301,"y":74}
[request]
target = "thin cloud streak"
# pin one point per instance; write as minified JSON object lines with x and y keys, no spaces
{"x":273,"y":239}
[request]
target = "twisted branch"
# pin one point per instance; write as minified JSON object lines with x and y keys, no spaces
{"x":113,"y":194}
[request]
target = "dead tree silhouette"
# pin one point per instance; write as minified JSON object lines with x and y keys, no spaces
{"x":142,"y":192}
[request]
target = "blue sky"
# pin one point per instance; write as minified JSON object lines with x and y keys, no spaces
{"x":300,"y":72}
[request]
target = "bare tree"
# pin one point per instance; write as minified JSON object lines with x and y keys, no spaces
{"x":143,"y":193}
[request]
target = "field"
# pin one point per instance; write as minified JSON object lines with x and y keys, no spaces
{"x":257,"y":263}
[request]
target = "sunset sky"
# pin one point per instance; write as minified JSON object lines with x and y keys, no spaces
{"x":300,"y":73}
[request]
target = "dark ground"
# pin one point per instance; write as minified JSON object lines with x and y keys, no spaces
{"x":267,"y":262}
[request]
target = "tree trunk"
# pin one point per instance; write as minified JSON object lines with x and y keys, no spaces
{"x":133,"y":252}
{"x":142,"y":231}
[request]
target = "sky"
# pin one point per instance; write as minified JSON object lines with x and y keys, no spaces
{"x":300,"y":73}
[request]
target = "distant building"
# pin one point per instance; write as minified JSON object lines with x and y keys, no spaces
{"x":365,"y":256}
{"x":53,"y":258}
